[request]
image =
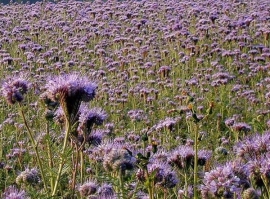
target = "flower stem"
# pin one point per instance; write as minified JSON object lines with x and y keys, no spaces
{"x":34,"y":145}
{"x":82,"y":166}
{"x":186,"y":184}
{"x":75,"y":168}
{"x":265,"y":181}
{"x":49,"y":152}
{"x":196,"y":163}
{"x":150,"y":184}
{"x":121,"y":183}
{"x":62,"y":158}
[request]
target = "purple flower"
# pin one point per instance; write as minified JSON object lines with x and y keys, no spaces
{"x":167,"y":123}
{"x":182,"y":157}
{"x":89,"y":117}
{"x":253,"y":147}
{"x":220,"y":182}
{"x":12,"y":192}
{"x":241,"y":127}
{"x":137,"y":115}
{"x":28,"y":177}
{"x":259,"y":171}
{"x":119,"y":160}
{"x":162,"y":173}
{"x":95,"y":137}
{"x":14,"y":88}
{"x":229,"y":122}
{"x":204,"y":156}
{"x":106,"y":190}
{"x":70,"y":90}
{"x":88,"y":188}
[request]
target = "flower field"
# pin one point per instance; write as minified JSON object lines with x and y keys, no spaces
{"x":166,"y":99}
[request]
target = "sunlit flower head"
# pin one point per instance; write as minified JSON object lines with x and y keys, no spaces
{"x":70,"y":90}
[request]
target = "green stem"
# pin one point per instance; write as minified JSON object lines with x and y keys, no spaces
{"x":135,"y":191}
{"x":150,"y":185}
{"x":186,"y":184}
{"x":62,"y":158}
{"x":80,"y":150}
{"x":75,"y":168}
{"x":34,"y":145}
{"x":266,"y":186}
{"x":121,"y":183}
{"x":196,"y":163}
{"x":165,"y":194}
{"x":82,"y":166}
{"x":49,"y":152}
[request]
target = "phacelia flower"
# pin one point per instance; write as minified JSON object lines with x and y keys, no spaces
{"x":88,"y":188}
{"x":70,"y":90}
{"x":182,"y":157}
{"x":13,"y":193}
{"x":14,"y":88}
{"x":28,"y":177}
{"x":250,"y":193}
{"x":119,"y":160}
{"x":89,"y":117}
{"x":252,"y":147}
{"x":220,"y":182}
{"x":167,"y":123}
{"x":106,"y":190}
{"x":204,"y":156}
{"x":241,"y":127}
{"x":162,"y":173}
{"x":259,"y":171}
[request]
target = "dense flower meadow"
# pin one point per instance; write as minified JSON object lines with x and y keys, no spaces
{"x":166,"y":99}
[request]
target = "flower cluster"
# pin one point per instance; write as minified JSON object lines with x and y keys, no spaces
{"x":220,"y":182}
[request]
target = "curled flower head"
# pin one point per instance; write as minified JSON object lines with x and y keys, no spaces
{"x":182,"y":157}
{"x":28,"y":177}
{"x":88,"y":188}
{"x":70,"y":90}
{"x":163,"y":175}
{"x":241,"y":127}
{"x":89,"y":117}
{"x":204,"y":156}
{"x":13,"y":192}
{"x":14,"y":88}
{"x":250,"y":193}
{"x":259,"y":171}
{"x":106,"y":190}
{"x":119,"y":160}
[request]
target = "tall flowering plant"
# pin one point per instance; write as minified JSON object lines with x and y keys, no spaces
{"x":67,"y":91}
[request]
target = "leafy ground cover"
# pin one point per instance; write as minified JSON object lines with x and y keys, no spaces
{"x":135,"y":99}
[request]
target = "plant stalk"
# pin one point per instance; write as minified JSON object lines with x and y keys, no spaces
{"x":49,"y":152}
{"x":34,"y":145}
{"x":62,"y":158}
{"x":196,"y":163}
